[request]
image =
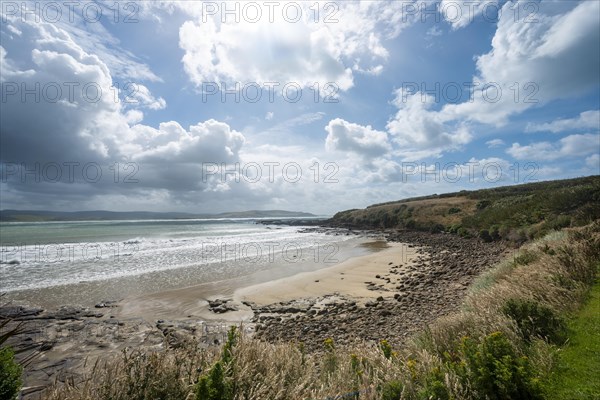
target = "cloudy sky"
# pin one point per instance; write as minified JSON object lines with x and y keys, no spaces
{"x":313,"y":106}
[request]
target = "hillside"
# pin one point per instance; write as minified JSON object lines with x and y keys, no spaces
{"x":514,"y":213}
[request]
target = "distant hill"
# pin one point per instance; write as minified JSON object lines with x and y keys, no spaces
{"x":516,"y":213}
{"x":34,"y":215}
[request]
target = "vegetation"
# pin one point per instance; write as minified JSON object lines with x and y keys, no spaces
{"x":579,"y":362}
{"x":513,"y":213}
{"x":503,"y":344}
{"x":10,"y":370}
{"x":10,"y":374}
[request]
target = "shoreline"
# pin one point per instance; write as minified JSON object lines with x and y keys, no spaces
{"x":404,"y":283}
{"x":198,"y":301}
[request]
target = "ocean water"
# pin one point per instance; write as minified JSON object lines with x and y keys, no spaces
{"x":40,"y":255}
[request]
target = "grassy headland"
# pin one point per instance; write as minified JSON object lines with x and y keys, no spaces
{"x":514,"y":213}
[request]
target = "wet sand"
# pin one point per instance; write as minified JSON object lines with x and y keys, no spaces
{"x":350,"y":278}
{"x":359,"y":259}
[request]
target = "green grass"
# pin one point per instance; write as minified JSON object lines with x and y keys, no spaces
{"x":578,"y":374}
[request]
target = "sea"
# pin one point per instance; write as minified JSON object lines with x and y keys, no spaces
{"x":76,"y":260}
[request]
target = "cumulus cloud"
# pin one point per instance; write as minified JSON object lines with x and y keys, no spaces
{"x":331,"y":46}
{"x":585,"y":120}
{"x":139,"y":95}
{"x":531,"y":64}
{"x":416,"y":126}
{"x":548,"y":60}
{"x":361,"y":140}
{"x":93,"y":128}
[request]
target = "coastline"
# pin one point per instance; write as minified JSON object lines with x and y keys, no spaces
{"x":391,"y":289}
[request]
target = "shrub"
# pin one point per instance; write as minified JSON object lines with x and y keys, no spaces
{"x":435,"y":387}
{"x":453,"y":210}
{"x":386,"y":348}
{"x":10,"y":374}
{"x":392,"y":390}
{"x":535,"y":320}
{"x":496,"y":371}
{"x":214,"y":385}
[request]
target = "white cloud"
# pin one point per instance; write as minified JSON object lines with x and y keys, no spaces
{"x":585,"y":120}
{"x":460,"y":13}
{"x":556,"y":57}
{"x":308,"y":51}
{"x":210,"y":141}
{"x":139,"y":95}
{"x":494,"y":143}
{"x":548,"y":60}
{"x":361,"y":140}
{"x":593,"y":162}
{"x":91,"y":127}
{"x":569,"y":146}
{"x":269,"y":116}
{"x":416,"y":127}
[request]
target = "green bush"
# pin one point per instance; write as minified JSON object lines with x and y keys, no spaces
{"x":496,"y":371}
{"x":535,"y":320}
{"x":435,"y":387}
{"x":484,"y":235}
{"x":453,"y":210}
{"x":10,"y":374}
{"x":386,"y":348}
{"x":217,"y":385}
{"x":392,"y":390}
{"x":214,"y":385}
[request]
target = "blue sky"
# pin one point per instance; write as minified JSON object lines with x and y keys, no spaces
{"x":398,"y":99}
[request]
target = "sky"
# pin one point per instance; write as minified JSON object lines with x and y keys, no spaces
{"x":296,"y":105}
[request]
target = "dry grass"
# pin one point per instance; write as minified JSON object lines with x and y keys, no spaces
{"x":557,"y":272}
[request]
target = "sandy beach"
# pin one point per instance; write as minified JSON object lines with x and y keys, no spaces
{"x":353,"y":278}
